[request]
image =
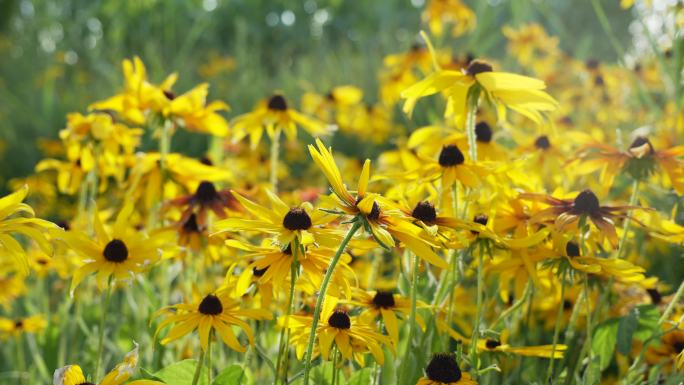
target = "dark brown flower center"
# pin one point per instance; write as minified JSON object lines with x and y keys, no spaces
{"x":640,"y":141}
{"x":451,"y":156}
{"x":481,"y":219}
{"x":259,"y":272}
{"x":483,"y":133}
{"x":678,"y":346}
{"x":567,"y":304}
{"x":586,"y":202}
{"x":572,"y":249}
{"x":443,"y":368}
{"x":492,"y":344}
{"x":86,"y":383}
{"x":206,"y":192}
{"x":190,"y":225}
{"x":297,"y":219}
{"x":375,"y":212}
{"x":425,"y":211}
{"x":169,"y":94}
{"x":115,"y":251}
{"x":477,"y":67}
{"x":211,"y":305}
{"x":339,"y":319}
{"x":383,"y":299}
{"x":18,"y":324}
{"x":277,"y":103}
{"x":542,"y":142}
{"x":656,"y":297}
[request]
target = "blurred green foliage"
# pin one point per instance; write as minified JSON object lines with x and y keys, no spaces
{"x":58,"y":56}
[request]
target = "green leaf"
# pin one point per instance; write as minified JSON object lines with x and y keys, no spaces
{"x":231,"y":375}
{"x":592,"y":376}
{"x":181,"y":373}
{"x":361,"y":377}
{"x":146,"y":374}
{"x":604,"y":340}
{"x":648,"y":321}
{"x":628,"y":325}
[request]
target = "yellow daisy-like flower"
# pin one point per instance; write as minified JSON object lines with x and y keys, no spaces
{"x":287,"y":223}
{"x":18,"y":218}
{"x":521,"y":94}
{"x":384,"y":225}
{"x":542,"y":351}
{"x":193,"y":113}
{"x":73,"y":374}
{"x":274,"y":114}
{"x":437,"y":13}
{"x":118,"y":254}
{"x":620,"y":269}
{"x":351,"y":337}
{"x":387,"y":305}
{"x":272,"y":265}
{"x":444,"y":370}
{"x":17,"y":326}
{"x":216,"y":311}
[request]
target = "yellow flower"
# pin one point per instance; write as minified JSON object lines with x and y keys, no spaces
{"x":18,"y":218}
{"x":217,"y":311}
{"x":444,"y":370}
{"x":192,"y":112}
{"x":274,"y":114}
{"x":15,"y":327}
{"x":287,"y":223}
{"x":521,"y":94}
{"x":437,"y":13}
{"x":351,"y":337}
{"x":73,"y":374}
{"x":387,"y":305}
{"x":383,"y":225}
{"x":119,"y":253}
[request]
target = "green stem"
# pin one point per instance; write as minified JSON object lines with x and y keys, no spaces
{"x":275,"y":154}
{"x":628,"y":221}
{"x":209,"y":367}
{"x":556,"y":330}
{"x":321,"y":298}
{"x":515,"y":306}
{"x":198,"y":368}
{"x":473,"y":100}
{"x":478,"y":314}
{"x":285,"y":332}
{"x":100,"y":341}
{"x":335,"y":372}
{"x":21,"y":358}
{"x":413,"y":323}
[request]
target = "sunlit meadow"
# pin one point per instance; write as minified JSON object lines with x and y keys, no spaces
{"x":424,"y":192}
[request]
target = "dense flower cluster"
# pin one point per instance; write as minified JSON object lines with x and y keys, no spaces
{"x":518,"y":222}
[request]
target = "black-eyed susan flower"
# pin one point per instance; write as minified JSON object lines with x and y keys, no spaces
{"x":218,"y":312}
{"x":18,"y":326}
{"x":302,"y":222}
{"x":18,"y":218}
{"x":639,"y":160}
{"x":387,"y":305}
{"x":366,"y":206}
{"x":348,"y":334}
{"x":444,"y":370}
{"x":273,"y":115}
{"x":117,"y":254}
{"x":564,"y":213}
{"x":73,"y":374}
{"x":500,"y":346}
{"x":205,"y":198}
{"x":439,"y":13}
{"x":519,"y":93}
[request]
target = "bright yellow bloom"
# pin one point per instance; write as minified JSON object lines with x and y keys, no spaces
{"x":18,"y":218}
{"x":17,"y":326}
{"x":521,"y":94}
{"x":217,"y":311}
{"x":274,"y":114}
{"x":437,"y":13}
{"x":120,"y":253}
{"x":73,"y":375}
{"x":352,"y":337}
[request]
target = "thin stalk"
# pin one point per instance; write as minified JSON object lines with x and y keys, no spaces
{"x":556,"y":330}
{"x":473,"y":100}
{"x":198,"y":368}
{"x":100,"y":341}
{"x":275,"y":154}
{"x":628,"y":221}
{"x":478,"y":314}
{"x":321,"y":297}
{"x":209,"y":367}
{"x":21,"y":357}
{"x":335,"y":370}
{"x":413,"y":323}
{"x":285,"y":332}
{"x":514,"y":307}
